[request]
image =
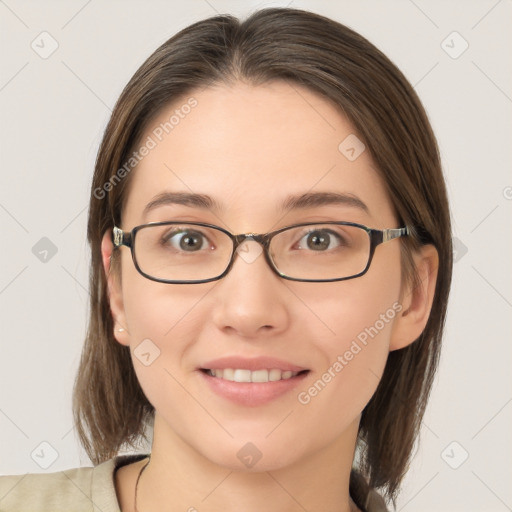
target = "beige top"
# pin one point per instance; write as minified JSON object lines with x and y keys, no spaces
{"x":89,"y":489}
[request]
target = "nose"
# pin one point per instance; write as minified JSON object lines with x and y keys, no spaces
{"x":251,"y":299}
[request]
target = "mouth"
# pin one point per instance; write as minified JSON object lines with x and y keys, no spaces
{"x":251,"y":381}
{"x":244,"y":375}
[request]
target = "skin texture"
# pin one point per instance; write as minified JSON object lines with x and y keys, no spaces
{"x":249,"y":148}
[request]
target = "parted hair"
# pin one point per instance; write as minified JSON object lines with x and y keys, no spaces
{"x":111,"y":412}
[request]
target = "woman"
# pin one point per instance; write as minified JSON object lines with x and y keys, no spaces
{"x":271,"y":261}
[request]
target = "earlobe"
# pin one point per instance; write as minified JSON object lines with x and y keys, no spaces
{"x":115,"y":296}
{"x":417,"y":299}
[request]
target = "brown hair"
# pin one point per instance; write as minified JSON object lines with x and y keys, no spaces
{"x":109,"y":406}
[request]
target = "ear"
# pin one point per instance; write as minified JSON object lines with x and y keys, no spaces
{"x":416,"y":299}
{"x":115,"y":295}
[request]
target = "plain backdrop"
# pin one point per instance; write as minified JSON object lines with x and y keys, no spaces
{"x":54,"y":108}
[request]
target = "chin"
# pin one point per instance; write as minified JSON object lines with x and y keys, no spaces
{"x":252,"y":456}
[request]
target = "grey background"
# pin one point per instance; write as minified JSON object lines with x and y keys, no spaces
{"x":53,"y":113}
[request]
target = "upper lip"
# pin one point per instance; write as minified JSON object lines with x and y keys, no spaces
{"x":254,"y":363}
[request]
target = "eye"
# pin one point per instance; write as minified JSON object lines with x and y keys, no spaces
{"x":187,"y":240}
{"x":321,"y":240}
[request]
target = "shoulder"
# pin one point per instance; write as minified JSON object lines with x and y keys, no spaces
{"x":47,"y":491}
{"x":375,"y":502}
{"x":79,"y":489}
{"x":366,"y":498}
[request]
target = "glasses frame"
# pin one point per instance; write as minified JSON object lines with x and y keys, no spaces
{"x":377,"y":237}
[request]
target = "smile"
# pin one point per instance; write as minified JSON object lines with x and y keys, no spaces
{"x":252,"y":388}
{"x":243,"y":375}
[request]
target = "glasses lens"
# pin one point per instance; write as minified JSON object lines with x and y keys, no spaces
{"x":321,"y":251}
{"x":187,"y":252}
{"x":182,"y":252}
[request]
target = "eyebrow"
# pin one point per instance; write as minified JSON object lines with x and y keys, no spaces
{"x":315,"y":199}
{"x":298,"y":202}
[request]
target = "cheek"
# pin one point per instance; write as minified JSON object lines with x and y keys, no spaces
{"x":358,"y":317}
{"x":156,"y":310}
{"x":163,"y":321}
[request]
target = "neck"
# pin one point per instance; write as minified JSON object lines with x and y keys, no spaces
{"x":179,"y":478}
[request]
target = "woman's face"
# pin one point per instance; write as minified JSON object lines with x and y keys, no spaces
{"x":250,"y":149}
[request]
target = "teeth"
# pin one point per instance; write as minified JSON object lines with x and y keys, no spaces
{"x":239,"y":375}
{"x":274,"y":375}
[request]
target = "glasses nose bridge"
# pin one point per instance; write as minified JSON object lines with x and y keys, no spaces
{"x":262,"y":239}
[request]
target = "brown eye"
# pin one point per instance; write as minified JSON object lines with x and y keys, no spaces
{"x":321,"y":240}
{"x":186,"y":240}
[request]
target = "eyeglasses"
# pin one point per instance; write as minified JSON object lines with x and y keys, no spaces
{"x":194,"y":252}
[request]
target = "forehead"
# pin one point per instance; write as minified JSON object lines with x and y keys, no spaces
{"x":250,"y":147}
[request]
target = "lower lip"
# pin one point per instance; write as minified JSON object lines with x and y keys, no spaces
{"x":252,"y":394}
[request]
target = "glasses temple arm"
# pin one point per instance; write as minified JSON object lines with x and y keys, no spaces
{"x":392,"y":233}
